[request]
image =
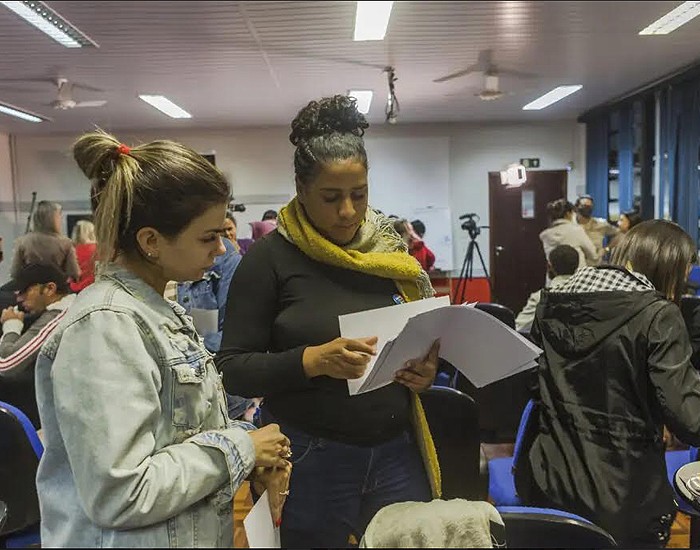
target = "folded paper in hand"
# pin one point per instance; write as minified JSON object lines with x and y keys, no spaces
{"x":480,"y":346}
{"x":259,"y":527}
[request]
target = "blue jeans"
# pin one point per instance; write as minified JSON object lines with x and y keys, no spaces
{"x":336,"y":488}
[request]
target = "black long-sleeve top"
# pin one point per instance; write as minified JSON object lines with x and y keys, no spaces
{"x":281,"y":301}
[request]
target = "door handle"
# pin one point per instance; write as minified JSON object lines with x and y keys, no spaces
{"x":499,"y":249}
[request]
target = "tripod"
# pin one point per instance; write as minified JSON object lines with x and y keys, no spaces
{"x":467,"y":272}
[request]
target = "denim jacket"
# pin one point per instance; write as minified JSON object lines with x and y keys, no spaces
{"x":139,"y":450}
{"x":211,"y":292}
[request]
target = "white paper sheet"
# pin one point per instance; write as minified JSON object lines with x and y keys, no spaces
{"x":206,"y":321}
{"x":385,"y":323}
{"x":259,"y":527}
{"x":480,"y":346}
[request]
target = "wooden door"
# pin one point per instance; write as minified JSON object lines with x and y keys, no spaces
{"x":517,"y":216}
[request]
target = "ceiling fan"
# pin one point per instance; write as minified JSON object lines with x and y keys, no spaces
{"x":485,"y":65}
{"x":65,"y":99}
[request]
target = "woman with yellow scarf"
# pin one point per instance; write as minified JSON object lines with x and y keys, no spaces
{"x":331,"y":255}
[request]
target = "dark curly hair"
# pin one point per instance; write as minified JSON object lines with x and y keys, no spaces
{"x":326,"y":131}
{"x":558,"y":209}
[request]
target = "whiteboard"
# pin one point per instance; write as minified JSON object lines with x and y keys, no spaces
{"x":438,"y":233}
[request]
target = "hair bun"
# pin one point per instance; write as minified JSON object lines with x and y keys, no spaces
{"x":95,"y":153}
{"x":329,"y":115}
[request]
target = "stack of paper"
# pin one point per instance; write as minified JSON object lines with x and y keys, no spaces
{"x":480,"y":346}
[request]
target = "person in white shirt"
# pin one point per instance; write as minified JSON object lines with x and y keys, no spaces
{"x":563,"y":230}
{"x":562,"y":263}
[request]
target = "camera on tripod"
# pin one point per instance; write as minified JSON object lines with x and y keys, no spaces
{"x":470,"y":224}
{"x":234,"y":206}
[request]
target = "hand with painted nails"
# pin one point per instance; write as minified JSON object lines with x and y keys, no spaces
{"x":276,"y":482}
{"x":419,"y":374}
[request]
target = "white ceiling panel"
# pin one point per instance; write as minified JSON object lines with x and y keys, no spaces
{"x":256,"y":63}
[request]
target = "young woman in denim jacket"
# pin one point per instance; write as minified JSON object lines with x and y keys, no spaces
{"x":139,"y":450}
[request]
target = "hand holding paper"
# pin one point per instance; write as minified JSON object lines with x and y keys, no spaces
{"x":419,"y":375}
{"x":342,"y":358}
{"x":480,"y":346}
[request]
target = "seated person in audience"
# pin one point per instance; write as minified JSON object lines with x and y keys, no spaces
{"x":563,"y":230}
{"x":414,"y":244}
{"x":86,"y":252}
{"x":42,"y":291}
{"x":269,"y":215}
{"x":562,"y":264}
{"x":597,"y":229}
{"x":616,"y":368}
{"x":231,"y":230}
{"x":417,"y":247}
{"x":260,"y":229}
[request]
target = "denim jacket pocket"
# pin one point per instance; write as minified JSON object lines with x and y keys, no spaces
{"x":191,"y":404}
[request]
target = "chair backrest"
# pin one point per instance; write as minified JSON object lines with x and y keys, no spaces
{"x":20,"y":450}
{"x":502,"y":313}
{"x":547,"y":528}
{"x":501,"y":403}
{"x":525,"y":420}
{"x":693,"y":453}
{"x":454,"y":423}
{"x":694,"y":275}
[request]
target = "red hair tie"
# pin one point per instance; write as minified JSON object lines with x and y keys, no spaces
{"x":123,"y":149}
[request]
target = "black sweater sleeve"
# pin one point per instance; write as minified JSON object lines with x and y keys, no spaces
{"x":249,"y":366}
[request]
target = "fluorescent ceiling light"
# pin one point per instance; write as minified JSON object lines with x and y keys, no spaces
{"x":164,"y":105}
{"x":47,"y":20}
{"x":364,"y":99}
{"x":371,"y":20}
{"x":14,"y":111}
{"x":551,"y":97}
{"x":674,"y":19}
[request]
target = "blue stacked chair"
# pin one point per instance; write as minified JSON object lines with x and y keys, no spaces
{"x":501,"y":482}
{"x":530,"y":527}
{"x":20,"y":451}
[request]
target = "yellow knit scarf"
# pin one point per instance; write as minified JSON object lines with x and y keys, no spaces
{"x":376,"y":250}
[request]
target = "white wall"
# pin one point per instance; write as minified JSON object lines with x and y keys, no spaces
{"x":410,"y":166}
{"x":10,"y":224}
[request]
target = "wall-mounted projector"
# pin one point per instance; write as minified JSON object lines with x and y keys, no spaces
{"x":514,"y":175}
